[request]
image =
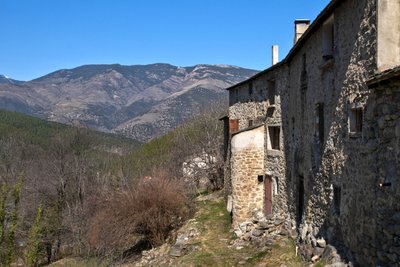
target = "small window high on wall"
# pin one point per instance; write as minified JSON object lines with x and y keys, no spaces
{"x":356,"y":120}
{"x":271,"y":92}
{"x":274,"y":137}
{"x":328,"y":38}
{"x":319,"y":122}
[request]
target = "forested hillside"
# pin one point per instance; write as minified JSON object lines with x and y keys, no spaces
{"x":71,"y":191}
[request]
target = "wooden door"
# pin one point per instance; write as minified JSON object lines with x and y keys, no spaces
{"x":268,"y":195}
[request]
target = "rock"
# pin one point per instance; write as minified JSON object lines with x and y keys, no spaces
{"x":245,"y":226}
{"x":176,"y":251}
{"x":269,"y":216}
{"x":238,"y":232}
{"x":315,"y":258}
{"x":321,"y":243}
{"x":303,"y":232}
{"x":278,"y":222}
{"x":329,"y":252}
{"x":284,"y":232}
{"x":262,"y":225}
{"x":259,"y":216}
{"x":257,"y":232}
{"x":246,"y":237}
{"x":269,"y":242}
{"x":239,"y":247}
{"x":318,"y":251}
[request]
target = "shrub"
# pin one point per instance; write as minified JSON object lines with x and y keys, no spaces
{"x":146,"y":214}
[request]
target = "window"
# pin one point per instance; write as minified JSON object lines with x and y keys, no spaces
{"x":250,"y":123}
{"x":250,"y":88}
{"x":319,"y":123}
{"x":303,"y":74}
{"x":274,"y":137}
{"x":328,"y":38}
{"x":356,"y":120}
{"x":271,"y":92}
{"x":337,"y":195}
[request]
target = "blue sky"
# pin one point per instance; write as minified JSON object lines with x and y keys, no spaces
{"x":41,"y":36}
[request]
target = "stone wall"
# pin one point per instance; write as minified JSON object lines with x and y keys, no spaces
{"x":330,"y":180}
{"x":338,"y":142}
{"x":247,"y":161}
{"x":385,"y":103}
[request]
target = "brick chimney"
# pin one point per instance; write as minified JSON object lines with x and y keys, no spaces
{"x":300,"y":26}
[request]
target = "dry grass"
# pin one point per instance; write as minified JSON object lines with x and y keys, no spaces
{"x":213,"y":249}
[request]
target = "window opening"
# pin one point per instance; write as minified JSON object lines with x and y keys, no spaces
{"x":320,"y":122}
{"x":328,"y":38}
{"x":356,"y":120}
{"x":337,"y":195}
{"x":274,"y":137}
{"x":271,"y":92}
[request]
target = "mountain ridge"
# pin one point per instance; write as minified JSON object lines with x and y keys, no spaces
{"x":133,"y":100}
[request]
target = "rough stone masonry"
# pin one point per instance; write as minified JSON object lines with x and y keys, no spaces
{"x":316,"y":136}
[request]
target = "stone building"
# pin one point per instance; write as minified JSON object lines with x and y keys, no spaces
{"x":315,"y":138}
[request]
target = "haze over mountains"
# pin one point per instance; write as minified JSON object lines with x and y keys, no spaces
{"x":140,"y":101}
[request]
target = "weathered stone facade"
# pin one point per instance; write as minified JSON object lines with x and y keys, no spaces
{"x":331,"y":135}
{"x":247,"y":161}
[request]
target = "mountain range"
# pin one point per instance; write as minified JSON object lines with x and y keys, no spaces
{"x":139,"y":101}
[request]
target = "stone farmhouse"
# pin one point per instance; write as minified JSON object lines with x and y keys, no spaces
{"x":315,"y":139}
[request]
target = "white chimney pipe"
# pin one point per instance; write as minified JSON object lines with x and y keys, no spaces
{"x":275,"y":54}
{"x":300,"y":27}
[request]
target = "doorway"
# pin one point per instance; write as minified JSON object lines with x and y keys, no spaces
{"x":300,"y":200}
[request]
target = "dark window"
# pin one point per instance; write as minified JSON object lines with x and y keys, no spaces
{"x":271,"y":92}
{"x":356,"y":120}
{"x":337,"y":195}
{"x":300,"y":200}
{"x":328,"y":38}
{"x":250,"y":88}
{"x":260,"y":178}
{"x":250,"y":123}
{"x":274,"y":137}
{"x":304,"y":63}
{"x":320,"y":121}
{"x":303,"y":74}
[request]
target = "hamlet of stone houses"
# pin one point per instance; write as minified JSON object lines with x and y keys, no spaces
{"x":312,"y":144}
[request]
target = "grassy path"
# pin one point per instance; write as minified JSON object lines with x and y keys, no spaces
{"x":212,"y":246}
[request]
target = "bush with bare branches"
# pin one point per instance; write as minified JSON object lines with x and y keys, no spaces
{"x":145,"y":214}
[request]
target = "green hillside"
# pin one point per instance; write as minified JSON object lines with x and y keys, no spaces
{"x":40,"y":132}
